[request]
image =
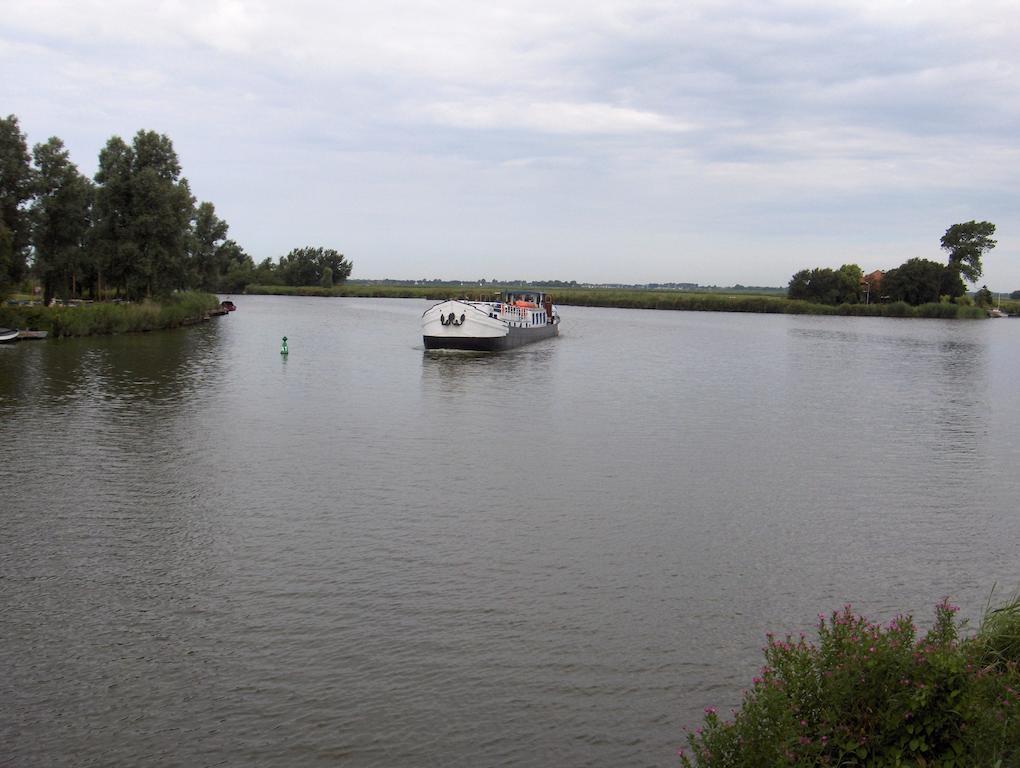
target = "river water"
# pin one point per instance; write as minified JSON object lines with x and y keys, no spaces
{"x":364,"y":554}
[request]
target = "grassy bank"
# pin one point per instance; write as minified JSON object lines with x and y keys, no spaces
{"x":180,"y":309}
{"x":641,"y":299}
{"x":767,"y":304}
{"x":877,"y":695}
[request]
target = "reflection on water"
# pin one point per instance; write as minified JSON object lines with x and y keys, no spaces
{"x":515,"y":369}
{"x":370,"y":553}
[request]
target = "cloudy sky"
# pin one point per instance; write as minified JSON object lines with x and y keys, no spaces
{"x":717,"y":142}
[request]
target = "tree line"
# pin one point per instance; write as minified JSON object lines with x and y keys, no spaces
{"x":134,"y":230}
{"x":916,"y":281}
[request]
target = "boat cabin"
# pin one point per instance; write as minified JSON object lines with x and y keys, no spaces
{"x":528,"y":299}
{"x":524,"y":307}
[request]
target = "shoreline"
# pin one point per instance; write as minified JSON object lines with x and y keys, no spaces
{"x":107,"y":318}
{"x":644,"y":299}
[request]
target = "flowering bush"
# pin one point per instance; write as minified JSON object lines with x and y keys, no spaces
{"x":876,"y":696}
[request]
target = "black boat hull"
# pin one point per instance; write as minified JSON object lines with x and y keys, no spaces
{"x":516,"y":337}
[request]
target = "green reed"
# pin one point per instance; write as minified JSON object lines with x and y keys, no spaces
{"x":100,"y":318}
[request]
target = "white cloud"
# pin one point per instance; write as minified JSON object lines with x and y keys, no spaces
{"x":666,"y":115}
{"x":551,"y":117}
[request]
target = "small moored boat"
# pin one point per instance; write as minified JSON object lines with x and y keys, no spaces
{"x":8,"y":334}
{"x":227,"y":305}
{"x":518,"y":317}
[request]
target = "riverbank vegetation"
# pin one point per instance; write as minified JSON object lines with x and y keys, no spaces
{"x":915,"y":282}
{"x":90,"y":319}
{"x":134,"y":231}
{"x":638,"y":299}
{"x":876,"y":695}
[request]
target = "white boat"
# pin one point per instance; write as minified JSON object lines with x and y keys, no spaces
{"x":8,"y":334}
{"x":996,"y":311}
{"x":518,"y":317}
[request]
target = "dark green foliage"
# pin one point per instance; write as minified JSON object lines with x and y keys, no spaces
{"x":983,"y":297}
{"x":207,"y":235}
{"x":61,"y":217}
{"x":235,"y":267}
{"x":134,"y":233}
{"x":112,"y":247}
{"x":15,"y":192}
{"x":827,"y":286}
{"x":216,"y":263}
{"x":159,"y":218}
{"x":966,"y":243}
{"x":951,"y":284}
{"x":915,"y":282}
{"x":266,"y":274}
{"x":878,"y":696}
{"x":306,"y":266}
{"x":143,"y":215}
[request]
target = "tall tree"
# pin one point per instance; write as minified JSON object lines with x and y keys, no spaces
{"x":983,"y":297}
{"x":239,"y":267}
{"x":300,"y":267}
{"x":60,"y":219}
{"x":161,"y":211}
{"x":966,"y":244}
{"x":268,"y":273}
{"x":915,"y":281}
{"x":334,"y":261}
{"x":15,"y":192}
{"x":208,"y":258}
{"x":305,"y":266}
{"x":143,"y":215}
{"x":112,"y":246}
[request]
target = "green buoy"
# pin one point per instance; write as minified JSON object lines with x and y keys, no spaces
{"x":283,"y":346}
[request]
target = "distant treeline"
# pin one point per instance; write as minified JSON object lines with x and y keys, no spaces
{"x":715,"y":302}
{"x":549,"y":285}
{"x":134,"y":230}
{"x":638,"y":299}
